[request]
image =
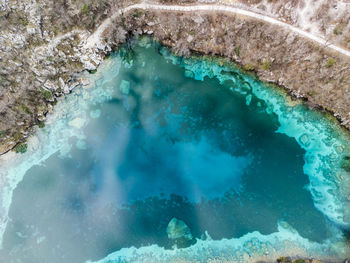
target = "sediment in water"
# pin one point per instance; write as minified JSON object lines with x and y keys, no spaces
{"x":323,"y":141}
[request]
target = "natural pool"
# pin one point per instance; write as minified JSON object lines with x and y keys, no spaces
{"x":160,"y":151}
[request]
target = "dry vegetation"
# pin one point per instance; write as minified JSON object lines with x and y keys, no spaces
{"x":26,"y":94}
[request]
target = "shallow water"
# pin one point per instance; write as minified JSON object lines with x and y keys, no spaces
{"x":157,"y":137}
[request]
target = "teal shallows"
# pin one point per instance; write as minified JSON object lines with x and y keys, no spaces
{"x":198,"y":144}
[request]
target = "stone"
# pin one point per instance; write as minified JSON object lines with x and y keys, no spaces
{"x":189,"y":74}
{"x":178,"y":229}
{"x":304,"y":140}
{"x":77,"y":123}
{"x":125,"y":87}
{"x":84,"y":82}
{"x":49,"y":85}
{"x":189,"y":38}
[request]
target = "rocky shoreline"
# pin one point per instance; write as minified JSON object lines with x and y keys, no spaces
{"x":50,"y":69}
{"x":305,"y":70}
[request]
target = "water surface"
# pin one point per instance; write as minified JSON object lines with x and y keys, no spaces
{"x":157,"y":137}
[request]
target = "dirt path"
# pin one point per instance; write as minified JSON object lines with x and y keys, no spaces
{"x":94,"y":39}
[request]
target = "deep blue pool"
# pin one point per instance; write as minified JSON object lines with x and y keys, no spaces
{"x":167,"y":141}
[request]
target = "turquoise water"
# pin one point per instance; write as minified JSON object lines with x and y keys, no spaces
{"x":248,"y":173}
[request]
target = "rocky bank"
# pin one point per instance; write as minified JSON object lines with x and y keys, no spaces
{"x":44,"y":45}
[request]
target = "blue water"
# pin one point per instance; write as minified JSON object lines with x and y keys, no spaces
{"x":164,"y":142}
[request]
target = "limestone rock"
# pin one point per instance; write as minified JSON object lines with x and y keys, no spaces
{"x":178,"y":229}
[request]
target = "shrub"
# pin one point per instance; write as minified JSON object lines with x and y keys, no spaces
{"x":2,"y":134}
{"x":266,"y":65}
{"x":312,"y":93}
{"x":25,"y":109}
{"x":237,"y":50}
{"x":85,"y":8}
{"x":284,"y":260}
{"x":337,"y":31}
{"x":46,"y":93}
{"x":249,"y":67}
{"x":330,"y":63}
{"x":17,"y":136}
{"x":23,"y":22}
{"x":138,"y":13}
{"x":41,"y":125}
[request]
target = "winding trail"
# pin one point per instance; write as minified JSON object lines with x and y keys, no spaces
{"x":96,"y":36}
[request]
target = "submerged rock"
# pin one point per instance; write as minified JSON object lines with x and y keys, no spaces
{"x":178,"y":229}
{"x":304,"y":140}
{"x":77,"y":123}
{"x":95,"y":114}
{"x":125,"y":87}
